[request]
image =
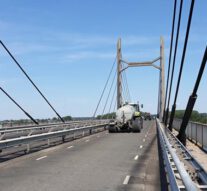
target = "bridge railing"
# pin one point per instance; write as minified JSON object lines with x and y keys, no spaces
{"x":195,"y":132}
{"x":75,"y":132}
{"x":6,"y":133}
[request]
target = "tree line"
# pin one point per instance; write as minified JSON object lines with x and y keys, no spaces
{"x":13,"y":122}
{"x":195,"y":116}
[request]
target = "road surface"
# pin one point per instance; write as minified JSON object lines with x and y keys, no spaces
{"x":117,"y":161}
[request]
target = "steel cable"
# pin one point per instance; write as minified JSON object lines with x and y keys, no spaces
{"x":174,"y":58}
{"x":182,"y":62}
{"x":104,"y":87}
{"x":27,"y":114}
{"x":27,"y":76}
{"x":109,"y":94}
{"x":169,"y":62}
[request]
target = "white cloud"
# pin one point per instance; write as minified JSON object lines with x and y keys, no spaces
{"x":27,"y":47}
{"x":80,"y":55}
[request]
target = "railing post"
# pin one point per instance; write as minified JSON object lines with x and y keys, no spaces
{"x":202,"y":136}
{"x":28,"y":148}
{"x":63,"y":138}
{"x":196,"y":134}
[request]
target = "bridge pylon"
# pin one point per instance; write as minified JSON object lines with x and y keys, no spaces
{"x":161,"y":68}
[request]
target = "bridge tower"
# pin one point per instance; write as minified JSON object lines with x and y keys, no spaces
{"x":161,"y":91}
{"x":161,"y":68}
{"x":119,"y":77}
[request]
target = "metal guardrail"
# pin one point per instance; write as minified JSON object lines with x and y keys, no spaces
{"x":44,"y":125}
{"x":16,"y":132}
{"x":195,"y":132}
{"x":172,"y":160}
{"x":50,"y":135}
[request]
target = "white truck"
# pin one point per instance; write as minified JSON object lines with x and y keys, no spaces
{"x":128,"y":119}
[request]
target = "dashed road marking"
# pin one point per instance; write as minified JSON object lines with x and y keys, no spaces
{"x":126,"y":180}
{"x":98,"y":136}
{"x":140,"y":146}
{"x":136,"y":157}
{"x":87,"y":140}
{"x":40,"y":158}
{"x":143,"y":140}
{"x":70,"y":147}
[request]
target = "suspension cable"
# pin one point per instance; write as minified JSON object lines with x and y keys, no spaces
{"x":127,"y":85}
{"x":109,"y":94}
{"x":27,"y":76}
{"x":182,"y":62}
{"x":174,"y":58}
{"x":104,"y":87}
{"x":114,"y":108}
{"x":125,"y":95}
{"x":112,"y":99}
{"x":27,"y":114}
{"x":169,"y":62}
{"x":191,"y":101}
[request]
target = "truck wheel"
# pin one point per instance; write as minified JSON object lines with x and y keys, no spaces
{"x":112,"y":129}
{"x":136,"y":125}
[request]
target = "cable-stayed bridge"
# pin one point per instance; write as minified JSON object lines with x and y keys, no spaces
{"x":83,"y":155}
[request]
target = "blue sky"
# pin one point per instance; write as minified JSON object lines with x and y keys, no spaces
{"x":68,"y":47}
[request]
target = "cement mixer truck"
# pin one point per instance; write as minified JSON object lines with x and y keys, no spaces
{"x":128,"y":119}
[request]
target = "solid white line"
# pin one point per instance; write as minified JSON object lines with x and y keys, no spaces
{"x":126,"y":180}
{"x":136,"y":157}
{"x":41,"y":158}
{"x":70,"y":147}
{"x":140,"y":146}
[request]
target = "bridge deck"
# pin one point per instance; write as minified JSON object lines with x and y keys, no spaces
{"x":123,"y":161}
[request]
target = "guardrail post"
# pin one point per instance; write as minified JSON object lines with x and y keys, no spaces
{"x":74,"y":135}
{"x":90,"y":131}
{"x":202,"y":137}
{"x":63,"y":138}
{"x":28,"y":148}
{"x":196,"y":134}
{"x":2,"y":136}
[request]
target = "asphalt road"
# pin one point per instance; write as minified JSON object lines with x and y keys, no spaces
{"x":119,"y":161}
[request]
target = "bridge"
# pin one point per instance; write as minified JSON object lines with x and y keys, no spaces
{"x":82,"y":155}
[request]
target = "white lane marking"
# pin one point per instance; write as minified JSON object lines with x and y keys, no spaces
{"x":143,"y":140}
{"x":136,"y":157}
{"x":87,"y":140}
{"x":140,"y":146}
{"x":145,"y":135}
{"x":70,"y":147}
{"x":126,"y":180}
{"x":98,"y":136}
{"x":41,"y":158}
{"x":107,"y":133}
